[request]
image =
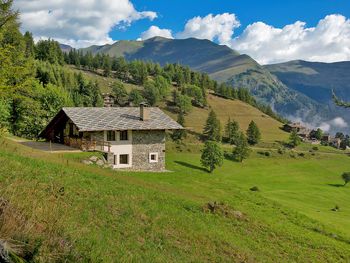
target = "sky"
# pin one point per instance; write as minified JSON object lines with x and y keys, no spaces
{"x":270,"y":31}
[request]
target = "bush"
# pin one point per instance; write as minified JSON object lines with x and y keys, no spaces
{"x":267,"y":154}
{"x":315,"y":148}
{"x":281,"y":150}
{"x":301,"y":154}
{"x":254,"y":189}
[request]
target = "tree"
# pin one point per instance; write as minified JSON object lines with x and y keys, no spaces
{"x":151,"y":93}
{"x":212,"y":128}
{"x":106,"y":66}
{"x":120,"y":94}
{"x":319,"y":134}
{"x":212,"y":155}
{"x":232,"y":131}
{"x":178,"y":135}
{"x":346,"y":178}
{"x":241,"y":151}
{"x":183,"y":102}
{"x":294,"y":139}
{"x":253,"y":133}
{"x":135,"y":97}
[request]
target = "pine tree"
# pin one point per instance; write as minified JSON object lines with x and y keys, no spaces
{"x":241,"y":151}
{"x":253,"y":133}
{"x":232,"y":131}
{"x":212,"y":128}
{"x":294,"y":139}
{"x":212,"y":155}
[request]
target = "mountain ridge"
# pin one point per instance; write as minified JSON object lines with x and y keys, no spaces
{"x":228,"y":66}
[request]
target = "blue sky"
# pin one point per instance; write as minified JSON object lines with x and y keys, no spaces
{"x":270,"y":31}
{"x":174,"y":14}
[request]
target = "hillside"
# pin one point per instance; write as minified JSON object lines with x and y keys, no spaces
{"x":224,"y":108}
{"x":222,"y":64}
{"x":70,"y":211}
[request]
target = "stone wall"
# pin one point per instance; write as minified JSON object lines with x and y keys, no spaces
{"x":144,"y":143}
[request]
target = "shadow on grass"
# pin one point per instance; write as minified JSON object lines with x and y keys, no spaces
{"x":336,"y":185}
{"x":191,"y":166}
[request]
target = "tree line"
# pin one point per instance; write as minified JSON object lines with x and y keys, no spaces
{"x":33,"y":83}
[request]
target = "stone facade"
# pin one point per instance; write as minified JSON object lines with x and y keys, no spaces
{"x":143,"y":144}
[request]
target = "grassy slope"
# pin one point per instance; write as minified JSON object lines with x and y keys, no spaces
{"x":157,"y":217}
{"x":239,"y":111}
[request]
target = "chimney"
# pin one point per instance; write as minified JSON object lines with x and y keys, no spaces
{"x":144,"y":112}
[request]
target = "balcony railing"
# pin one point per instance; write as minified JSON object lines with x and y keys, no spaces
{"x":88,"y":145}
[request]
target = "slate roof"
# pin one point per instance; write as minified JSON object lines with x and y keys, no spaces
{"x":119,"y":118}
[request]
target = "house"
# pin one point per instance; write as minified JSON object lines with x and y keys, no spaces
{"x":289,"y":127}
{"x":108,"y":100}
{"x":129,"y":137}
{"x":302,"y":131}
{"x":335,"y":142}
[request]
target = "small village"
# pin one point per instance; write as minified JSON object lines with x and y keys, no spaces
{"x":313,"y":136}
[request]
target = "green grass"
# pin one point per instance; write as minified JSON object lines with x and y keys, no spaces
{"x":104,"y":215}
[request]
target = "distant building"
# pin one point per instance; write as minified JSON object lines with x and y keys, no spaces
{"x":108,"y":100}
{"x":289,"y":127}
{"x":335,"y":142}
{"x":130,"y":137}
{"x":302,"y":131}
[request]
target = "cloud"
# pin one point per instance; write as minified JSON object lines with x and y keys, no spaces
{"x":329,"y":41}
{"x":154,"y":31}
{"x":79,"y":23}
{"x":219,"y":27}
{"x":336,"y":123}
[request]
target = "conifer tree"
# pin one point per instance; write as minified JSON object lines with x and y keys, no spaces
{"x":212,"y":128}
{"x":294,"y":139}
{"x":232,"y":131}
{"x":253,"y":133}
{"x":241,"y":151}
{"x":212,"y":155}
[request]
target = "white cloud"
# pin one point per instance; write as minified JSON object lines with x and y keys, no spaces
{"x":155,"y":31}
{"x":329,"y":41}
{"x":220,"y":27}
{"x":79,"y":23}
{"x":334,"y":124}
{"x":339,"y":122}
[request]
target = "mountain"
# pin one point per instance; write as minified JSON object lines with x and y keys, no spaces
{"x":224,"y":65}
{"x":317,"y":80}
{"x":65,"y":48}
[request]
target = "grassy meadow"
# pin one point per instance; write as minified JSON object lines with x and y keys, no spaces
{"x":70,"y":211}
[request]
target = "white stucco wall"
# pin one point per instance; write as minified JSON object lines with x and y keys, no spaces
{"x":119,"y":147}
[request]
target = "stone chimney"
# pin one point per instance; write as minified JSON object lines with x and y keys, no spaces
{"x":144,"y":112}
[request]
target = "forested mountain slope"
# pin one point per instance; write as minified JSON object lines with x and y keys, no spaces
{"x":224,"y":65}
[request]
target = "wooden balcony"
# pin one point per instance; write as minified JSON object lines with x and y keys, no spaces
{"x":88,"y":145}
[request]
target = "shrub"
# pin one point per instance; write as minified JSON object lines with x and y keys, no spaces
{"x":301,"y":154}
{"x":254,"y":189}
{"x":281,"y":150}
{"x":267,"y":154}
{"x":315,"y":148}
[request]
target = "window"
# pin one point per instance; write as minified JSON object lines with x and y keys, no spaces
{"x":153,"y":157}
{"x":124,"y":159}
{"x":110,"y":136}
{"x":123,"y":135}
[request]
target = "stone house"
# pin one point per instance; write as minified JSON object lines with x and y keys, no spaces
{"x":130,"y":137}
